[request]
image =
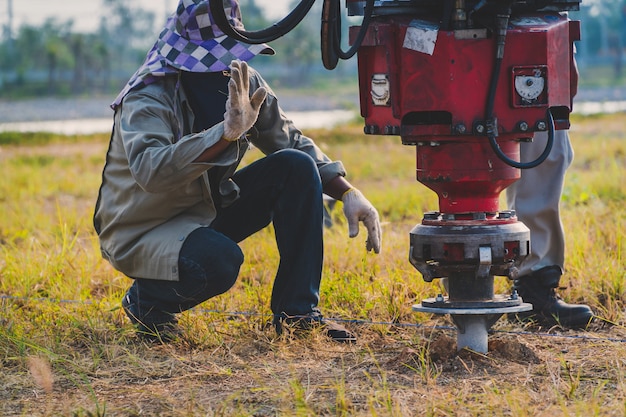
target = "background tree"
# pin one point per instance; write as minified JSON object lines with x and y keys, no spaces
{"x":128,"y":31}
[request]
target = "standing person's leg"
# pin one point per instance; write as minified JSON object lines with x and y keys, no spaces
{"x":536,"y":198}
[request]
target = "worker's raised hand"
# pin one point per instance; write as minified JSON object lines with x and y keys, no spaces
{"x":241,"y":109}
{"x":357,"y":208}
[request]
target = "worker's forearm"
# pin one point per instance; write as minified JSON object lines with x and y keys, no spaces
{"x":336,"y":187}
{"x":212,"y":152}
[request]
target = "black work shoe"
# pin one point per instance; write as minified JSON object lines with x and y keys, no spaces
{"x":161,"y":331}
{"x":539,"y":289}
{"x":311,"y":321}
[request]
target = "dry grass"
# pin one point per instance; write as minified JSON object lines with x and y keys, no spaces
{"x":67,"y":349}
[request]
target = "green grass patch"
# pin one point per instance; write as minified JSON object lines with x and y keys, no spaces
{"x":45,"y":138}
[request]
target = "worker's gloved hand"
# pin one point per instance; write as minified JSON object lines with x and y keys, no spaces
{"x":357,"y":208}
{"x":241,"y":109}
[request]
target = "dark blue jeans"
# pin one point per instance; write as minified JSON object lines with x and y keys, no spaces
{"x":283,"y":188}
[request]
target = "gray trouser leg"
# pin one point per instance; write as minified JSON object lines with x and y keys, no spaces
{"x":536,"y":196}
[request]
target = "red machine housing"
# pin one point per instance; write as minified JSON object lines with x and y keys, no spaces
{"x":437,"y":100}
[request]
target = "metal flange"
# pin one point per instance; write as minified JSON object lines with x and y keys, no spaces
{"x":438,"y":251}
{"x":472,"y":324}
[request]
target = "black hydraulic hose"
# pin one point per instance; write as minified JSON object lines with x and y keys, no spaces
{"x":331,"y":33}
{"x":448,"y":5}
{"x":491,"y":124}
{"x":525,"y":165}
{"x":367,"y":17}
{"x":269,"y":34}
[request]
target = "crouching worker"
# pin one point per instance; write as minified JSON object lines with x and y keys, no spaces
{"x":173,"y":204}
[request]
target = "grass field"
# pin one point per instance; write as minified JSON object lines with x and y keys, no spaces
{"x":66,"y":348}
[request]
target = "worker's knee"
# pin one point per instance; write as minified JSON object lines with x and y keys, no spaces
{"x":223,"y":268}
{"x":301,"y":167}
{"x":210,"y":259}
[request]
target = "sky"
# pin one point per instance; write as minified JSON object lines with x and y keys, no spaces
{"x":86,"y":13}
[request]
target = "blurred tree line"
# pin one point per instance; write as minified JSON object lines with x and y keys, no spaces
{"x":54,"y":59}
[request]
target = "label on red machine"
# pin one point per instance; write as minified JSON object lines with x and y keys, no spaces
{"x":421,"y":36}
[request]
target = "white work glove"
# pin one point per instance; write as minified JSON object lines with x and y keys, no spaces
{"x":241,"y":109}
{"x":357,"y":208}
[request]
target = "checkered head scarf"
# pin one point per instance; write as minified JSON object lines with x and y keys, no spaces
{"x":192,"y":41}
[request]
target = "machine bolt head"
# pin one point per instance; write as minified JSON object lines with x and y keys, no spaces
{"x":460,"y":128}
{"x":480,"y":128}
{"x":514,"y":295}
{"x":523,"y":126}
{"x":541,"y":125}
{"x":391,"y":130}
{"x":439,"y":298}
{"x":371,"y":129}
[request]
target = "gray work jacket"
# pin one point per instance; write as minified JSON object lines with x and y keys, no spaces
{"x":153,"y":195}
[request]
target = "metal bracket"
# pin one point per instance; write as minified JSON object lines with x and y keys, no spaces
{"x":484,"y":255}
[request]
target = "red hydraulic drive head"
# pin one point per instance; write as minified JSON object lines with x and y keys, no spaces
{"x":431,"y":88}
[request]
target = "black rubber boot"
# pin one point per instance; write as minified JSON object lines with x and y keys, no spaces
{"x":163,"y":329}
{"x":549,"y":310}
